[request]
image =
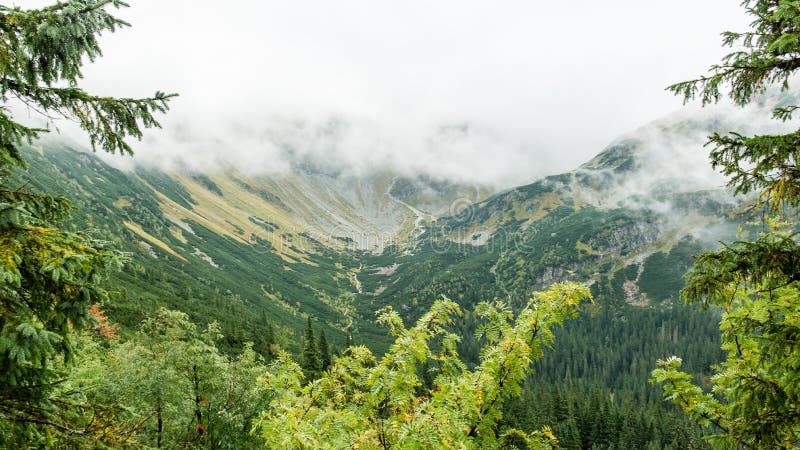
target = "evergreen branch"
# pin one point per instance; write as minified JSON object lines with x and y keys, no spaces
{"x":107,"y":120}
{"x":46,"y":46}
{"x":89,"y":8}
{"x":43,"y":421}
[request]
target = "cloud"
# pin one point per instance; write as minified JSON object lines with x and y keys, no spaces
{"x":457,"y":151}
{"x":645,"y":168}
{"x":494,"y":91}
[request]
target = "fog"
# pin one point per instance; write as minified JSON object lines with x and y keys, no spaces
{"x":492,"y":92}
{"x":670,"y":155}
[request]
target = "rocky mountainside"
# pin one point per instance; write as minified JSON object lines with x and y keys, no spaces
{"x":627,"y":222}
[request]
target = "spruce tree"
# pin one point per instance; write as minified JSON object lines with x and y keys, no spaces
{"x":755,"y":400}
{"x":310,"y":359}
{"x":324,"y":351}
{"x":48,"y":276}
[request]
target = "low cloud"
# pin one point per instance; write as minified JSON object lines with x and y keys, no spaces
{"x":256,"y":146}
{"x":670,"y":154}
{"x":493,"y":92}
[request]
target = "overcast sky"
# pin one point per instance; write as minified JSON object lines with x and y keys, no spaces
{"x":489,"y":90}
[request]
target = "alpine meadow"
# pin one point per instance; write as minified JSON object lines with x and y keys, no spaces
{"x":372,"y":225}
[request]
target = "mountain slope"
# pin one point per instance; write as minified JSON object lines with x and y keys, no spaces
{"x":257,"y":254}
{"x":259,"y":251}
{"x":196,"y":258}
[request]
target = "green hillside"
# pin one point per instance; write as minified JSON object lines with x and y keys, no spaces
{"x":249,"y":288}
{"x":232,"y":249}
{"x":248,"y":254}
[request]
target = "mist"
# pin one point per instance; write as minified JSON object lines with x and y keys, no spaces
{"x":499,"y":93}
{"x":648,"y":168}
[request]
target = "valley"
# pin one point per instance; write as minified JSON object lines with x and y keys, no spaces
{"x":264,"y":255}
{"x":399,"y":226}
{"x":271,"y":251}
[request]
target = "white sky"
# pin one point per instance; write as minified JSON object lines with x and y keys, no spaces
{"x":544,"y":86}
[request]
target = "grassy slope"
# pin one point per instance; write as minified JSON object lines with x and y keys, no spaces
{"x":253,"y":285}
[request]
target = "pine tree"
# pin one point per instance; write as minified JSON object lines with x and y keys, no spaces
{"x":269,"y":340}
{"x":755,"y":401}
{"x":324,"y":351}
{"x":48,"y":276}
{"x":310,"y":359}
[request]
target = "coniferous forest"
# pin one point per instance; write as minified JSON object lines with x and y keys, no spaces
{"x":152,"y":308}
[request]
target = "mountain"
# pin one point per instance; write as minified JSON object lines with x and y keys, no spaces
{"x":260,"y":253}
{"x":627,"y":222}
{"x":254,"y":253}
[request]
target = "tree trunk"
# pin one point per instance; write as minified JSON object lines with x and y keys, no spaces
{"x":160,"y":423}
{"x":201,"y":431}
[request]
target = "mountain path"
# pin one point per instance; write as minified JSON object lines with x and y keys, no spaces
{"x":420,"y":215}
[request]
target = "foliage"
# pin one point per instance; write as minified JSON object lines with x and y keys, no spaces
{"x":756,"y":391}
{"x":69,"y":416}
{"x":48,"y":276}
{"x":594,"y":417}
{"x":167,"y":387}
{"x":364,"y":401}
{"x":44,"y":49}
{"x":182,"y":389}
{"x":311,"y":360}
{"x":765,"y":55}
